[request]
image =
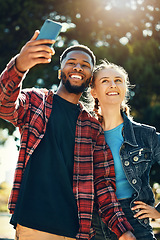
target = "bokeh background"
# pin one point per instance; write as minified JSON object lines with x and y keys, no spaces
{"x":126,"y":32}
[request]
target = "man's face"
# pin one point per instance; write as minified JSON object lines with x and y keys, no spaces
{"x":76,"y":71}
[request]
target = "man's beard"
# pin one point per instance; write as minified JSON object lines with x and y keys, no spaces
{"x":74,"y":89}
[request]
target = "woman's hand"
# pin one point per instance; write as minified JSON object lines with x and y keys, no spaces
{"x":145,"y":211}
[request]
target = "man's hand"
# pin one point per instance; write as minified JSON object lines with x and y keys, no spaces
{"x":34,"y":52}
{"x":145,"y":211}
{"x":127,"y":236}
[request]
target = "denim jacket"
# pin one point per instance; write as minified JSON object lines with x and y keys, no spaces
{"x":139,"y":151}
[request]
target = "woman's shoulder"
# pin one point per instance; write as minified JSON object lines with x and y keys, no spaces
{"x":142,"y":127}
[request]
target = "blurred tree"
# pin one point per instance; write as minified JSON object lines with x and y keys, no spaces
{"x":143,"y":66}
{"x":126,"y":32}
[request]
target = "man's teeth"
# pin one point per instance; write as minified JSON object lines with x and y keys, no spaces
{"x":76,"y":76}
{"x":112,"y":93}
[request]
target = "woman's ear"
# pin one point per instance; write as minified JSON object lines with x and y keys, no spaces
{"x":93,"y":93}
{"x":59,"y":74}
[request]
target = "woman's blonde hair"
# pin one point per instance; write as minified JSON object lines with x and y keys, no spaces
{"x":108,"y":65}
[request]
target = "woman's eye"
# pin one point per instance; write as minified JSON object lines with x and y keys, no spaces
{"x":104,"y":80}
{"x":118,"y":80}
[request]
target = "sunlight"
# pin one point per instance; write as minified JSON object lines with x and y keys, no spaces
{"x":123,"y":40}
{"x":127,"y":3}
{"x":108,"y":7}
{"x":66,"y":26}
{"x":151,"y":8}
{"x":140,"y":1}
{"x":147,"y":32}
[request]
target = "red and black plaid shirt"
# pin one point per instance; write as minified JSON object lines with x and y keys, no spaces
{"x":93,"y":163}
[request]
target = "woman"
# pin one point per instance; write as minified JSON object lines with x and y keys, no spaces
{"x":135,"y":148}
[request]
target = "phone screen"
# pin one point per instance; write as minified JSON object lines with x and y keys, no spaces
{"x":50,"y":30}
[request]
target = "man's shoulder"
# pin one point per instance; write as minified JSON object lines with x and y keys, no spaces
{"x":37,"y":91}
{"x":88,"y":117}
{"x":37,"y":96}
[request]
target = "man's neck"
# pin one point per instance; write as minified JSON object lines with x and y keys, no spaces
{"x":70,"y":97}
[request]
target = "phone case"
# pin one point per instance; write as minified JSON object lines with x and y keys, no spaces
{"x":50,"y":30}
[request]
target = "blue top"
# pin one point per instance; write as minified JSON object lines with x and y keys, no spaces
{"x":114,"y":140}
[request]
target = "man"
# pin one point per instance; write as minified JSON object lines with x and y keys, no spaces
{"x":63,"y":155}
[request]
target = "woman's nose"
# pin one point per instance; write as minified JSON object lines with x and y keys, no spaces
{"x":112,"y":84}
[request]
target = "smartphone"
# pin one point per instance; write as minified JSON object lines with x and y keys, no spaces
{"x":50,"y":30}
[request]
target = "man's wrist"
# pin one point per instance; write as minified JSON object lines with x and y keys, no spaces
{"x":17,"y":67}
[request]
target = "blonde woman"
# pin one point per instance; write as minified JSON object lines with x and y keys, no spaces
{"x":135,"y":148}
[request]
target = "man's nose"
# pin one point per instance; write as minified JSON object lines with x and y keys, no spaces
{"x":78,"y":67}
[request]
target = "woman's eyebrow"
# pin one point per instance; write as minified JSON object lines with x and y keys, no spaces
{"x":118,"y":77}
{"x":103,"y":78}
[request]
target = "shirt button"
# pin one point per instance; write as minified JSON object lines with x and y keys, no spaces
{"x":134,"y":181}
{"x":146,"y":221}
{"x":135,"y":158}
{"x":145,"y":155}
{"x":126,"y":163}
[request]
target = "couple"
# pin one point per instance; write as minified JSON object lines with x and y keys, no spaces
{"x":65,"y":172}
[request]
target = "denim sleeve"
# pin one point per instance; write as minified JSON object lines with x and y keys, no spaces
{"x":156,"y":146}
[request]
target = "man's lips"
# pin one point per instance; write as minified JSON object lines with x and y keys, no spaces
{"x":76,"y":76}
{"x":112,"y":93}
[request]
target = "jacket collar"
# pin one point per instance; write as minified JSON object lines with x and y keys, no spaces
{"x":128,"y":131}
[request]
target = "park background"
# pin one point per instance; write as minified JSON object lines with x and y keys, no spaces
{"x":126,"y":32}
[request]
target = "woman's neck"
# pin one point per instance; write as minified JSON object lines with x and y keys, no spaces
{"x":111,"y":118}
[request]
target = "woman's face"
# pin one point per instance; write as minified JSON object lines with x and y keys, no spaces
{"x":109,"y":87}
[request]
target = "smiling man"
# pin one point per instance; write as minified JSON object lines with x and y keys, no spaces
{"x":63,"y":156}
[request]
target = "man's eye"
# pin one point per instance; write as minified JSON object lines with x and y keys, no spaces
{"x":84,"y":65}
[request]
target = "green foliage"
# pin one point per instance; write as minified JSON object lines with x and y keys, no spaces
{"x":143,"y":67}
{"x":99,"y":24}
{"x":124,"y":32}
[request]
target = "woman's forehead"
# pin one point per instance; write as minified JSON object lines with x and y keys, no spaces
{"x":110,"y":71}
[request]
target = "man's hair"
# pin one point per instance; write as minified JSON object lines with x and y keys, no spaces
{"x":79,"y":47}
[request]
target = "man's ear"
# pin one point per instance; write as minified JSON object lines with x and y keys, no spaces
{"x":59,"y":74}
{"x":93,"y":93}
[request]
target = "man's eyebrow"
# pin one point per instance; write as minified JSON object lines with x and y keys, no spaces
{"x":86,"y":62}
{"x":76,"y":59}
{"x":71,"y":59}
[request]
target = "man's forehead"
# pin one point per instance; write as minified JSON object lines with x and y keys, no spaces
{"x":79,"y":54}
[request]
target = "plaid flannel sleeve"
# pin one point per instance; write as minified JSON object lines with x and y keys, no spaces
{"x":10,"y":86}
{"x":104,"y":175}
